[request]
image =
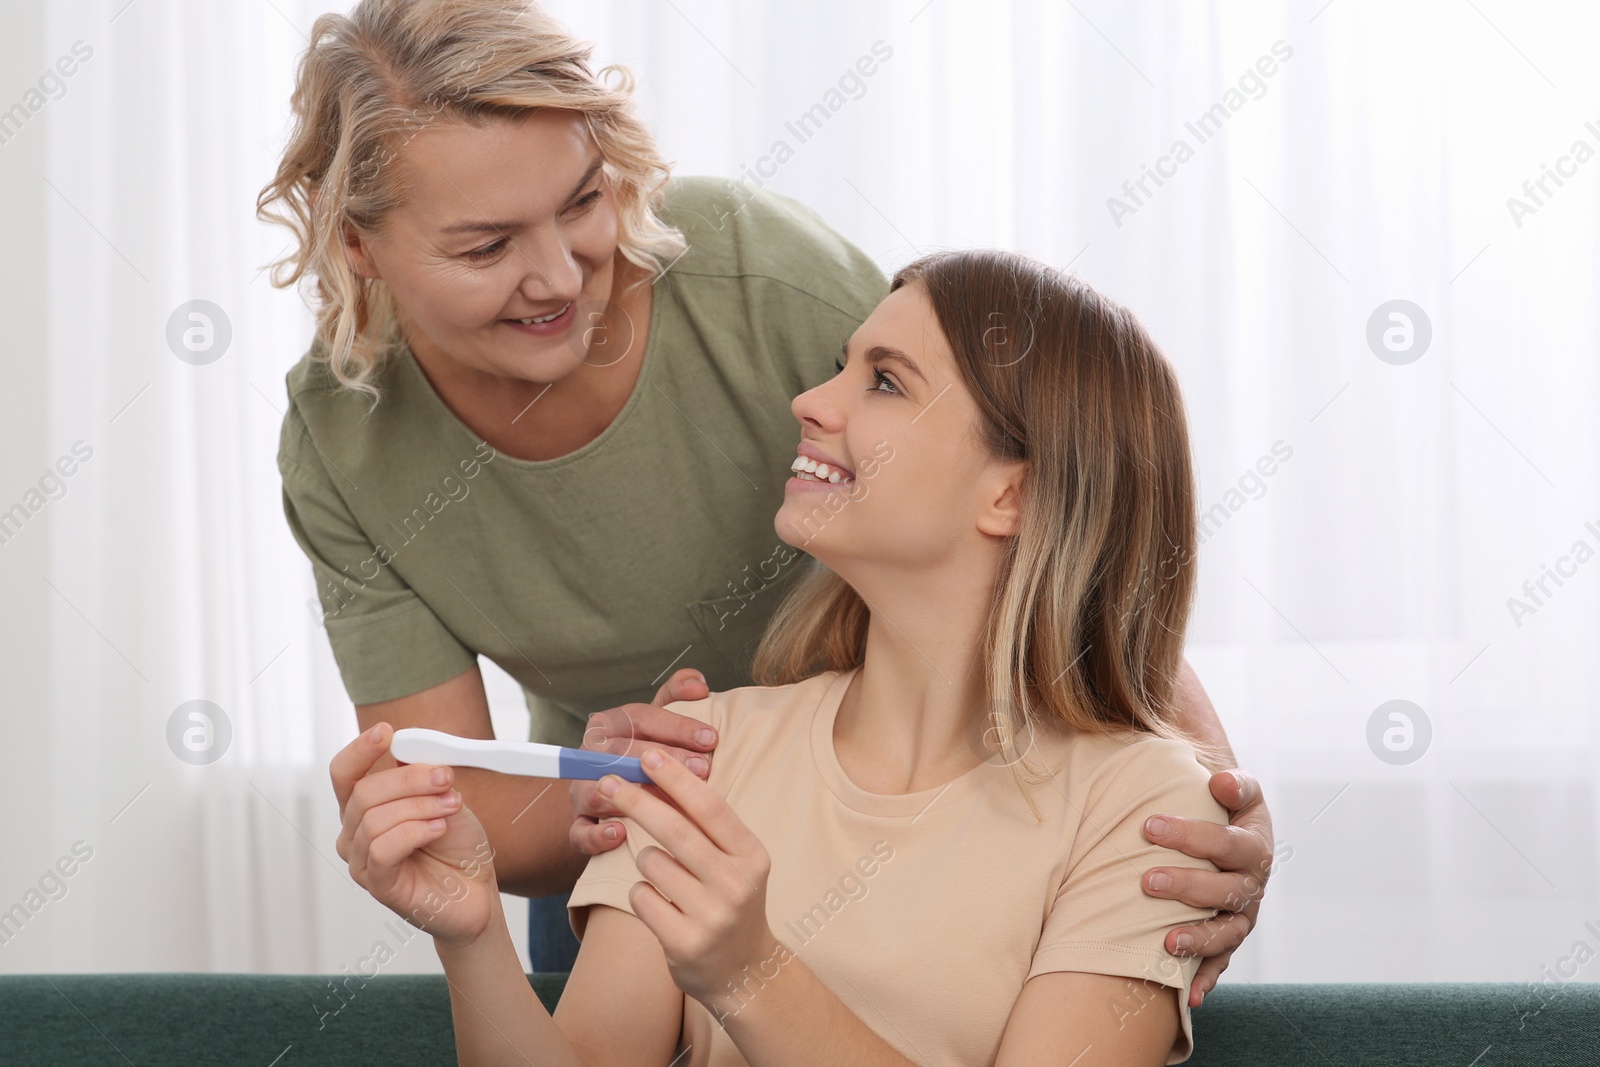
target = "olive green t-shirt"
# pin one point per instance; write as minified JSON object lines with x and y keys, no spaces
{"x":587,"y":576}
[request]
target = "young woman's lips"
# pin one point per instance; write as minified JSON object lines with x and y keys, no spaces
{"x":554,"y":327}
{"x":811,"y":485}
{"x":804,"y":484}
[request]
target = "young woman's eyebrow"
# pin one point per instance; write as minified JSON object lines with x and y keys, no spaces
{"x":503,"y":227}
{"x":880,"y":354}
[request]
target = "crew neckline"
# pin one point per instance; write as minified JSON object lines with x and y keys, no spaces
{"x":892,"y":805}
{"x":640,"y":386}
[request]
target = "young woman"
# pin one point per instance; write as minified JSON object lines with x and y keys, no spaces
{"x":915,"y":842}
{"x":545,"y":413}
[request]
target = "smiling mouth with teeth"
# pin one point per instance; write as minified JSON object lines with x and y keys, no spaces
{"x":809,"y":470}
{"x":556,"y":314}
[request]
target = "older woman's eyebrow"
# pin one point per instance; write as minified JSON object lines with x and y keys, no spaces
{"x":881,"y":354}
{"x":502,"y":227}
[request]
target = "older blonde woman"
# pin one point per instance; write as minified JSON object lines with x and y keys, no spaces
{"x":542,"y":415}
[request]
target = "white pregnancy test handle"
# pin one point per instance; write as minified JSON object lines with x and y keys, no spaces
{"x":530,"y":758}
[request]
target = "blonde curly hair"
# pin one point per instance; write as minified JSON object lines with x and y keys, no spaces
{"x":370,"y":81}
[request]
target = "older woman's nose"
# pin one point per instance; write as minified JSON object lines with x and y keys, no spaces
{"x":550,"y":271}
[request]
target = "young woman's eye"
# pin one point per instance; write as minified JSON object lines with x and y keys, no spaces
{"x":882,"y":379}
{"x":838,"y":366}
{"x":487,"y":251}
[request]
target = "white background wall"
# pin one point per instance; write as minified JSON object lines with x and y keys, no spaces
{"x":1375,"y":564}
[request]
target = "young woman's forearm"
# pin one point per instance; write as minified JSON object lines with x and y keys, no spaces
{"x":796,"y":1021}
{"x":498,"y":1017}
{"x":1199,"y":718}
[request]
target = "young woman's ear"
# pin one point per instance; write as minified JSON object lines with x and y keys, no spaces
{"x":1002,"y":516}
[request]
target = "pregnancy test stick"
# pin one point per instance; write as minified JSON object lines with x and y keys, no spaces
{"x":417,"y":745}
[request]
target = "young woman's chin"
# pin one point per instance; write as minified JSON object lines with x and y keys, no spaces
{"x":794,"y":523}
{"x":804,"y":521}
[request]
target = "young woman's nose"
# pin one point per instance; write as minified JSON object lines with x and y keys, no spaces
{"x":819,"y":407}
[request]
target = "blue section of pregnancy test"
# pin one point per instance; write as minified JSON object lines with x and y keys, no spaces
{"x":577,"y":763}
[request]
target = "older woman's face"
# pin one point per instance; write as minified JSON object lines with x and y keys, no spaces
{"x":503,"y":223}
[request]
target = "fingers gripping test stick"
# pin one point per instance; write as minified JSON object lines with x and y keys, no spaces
{"x":530,"y":758}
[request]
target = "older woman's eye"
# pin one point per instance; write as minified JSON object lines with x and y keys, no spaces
{"x":586,"y":201}
{"x":487,"y":250}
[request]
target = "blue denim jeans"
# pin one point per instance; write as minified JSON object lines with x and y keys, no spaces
{"x":551,"y":944}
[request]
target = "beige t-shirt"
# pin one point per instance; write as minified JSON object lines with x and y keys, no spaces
{"x":926,"y":912}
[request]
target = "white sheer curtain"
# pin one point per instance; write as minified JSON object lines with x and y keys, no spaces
{"x":1366,"y":158}
{"x":175,"y":579}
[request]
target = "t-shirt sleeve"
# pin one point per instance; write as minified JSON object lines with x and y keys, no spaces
{"x":611,"y":874}
{"x":1102,"y":921}
{"x":804,"y":285}
{"x":607,"y":878}
{"x":836,"y":286}
{"x":387,"y":641}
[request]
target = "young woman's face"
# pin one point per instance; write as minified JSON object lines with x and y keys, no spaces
{"x":504,"y":222}
{"x":897,"y":425}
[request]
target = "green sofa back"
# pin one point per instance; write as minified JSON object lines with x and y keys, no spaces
{"x":290,"y":1020}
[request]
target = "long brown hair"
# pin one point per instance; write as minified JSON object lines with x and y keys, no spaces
{"x":1093,"y":594}
{"x":372,"y":80}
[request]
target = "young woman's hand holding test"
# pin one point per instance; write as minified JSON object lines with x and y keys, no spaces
{"x":412,"y":843}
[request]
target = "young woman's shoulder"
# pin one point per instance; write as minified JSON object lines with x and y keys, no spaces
{"x":1118,"y":770}
{"x":751,"y":706}
{"x":751,"y":718}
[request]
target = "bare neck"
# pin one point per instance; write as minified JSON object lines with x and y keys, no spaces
{"x":914,"y":716}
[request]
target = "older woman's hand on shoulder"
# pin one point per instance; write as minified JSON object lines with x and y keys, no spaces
{"x":1242,"y":851}
{"x":1243,"y":854}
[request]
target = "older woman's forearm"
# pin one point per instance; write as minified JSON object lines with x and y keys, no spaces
{"x":498,"y":1018}
{"x":1199,"y":718}
{"x":528,"y":821}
